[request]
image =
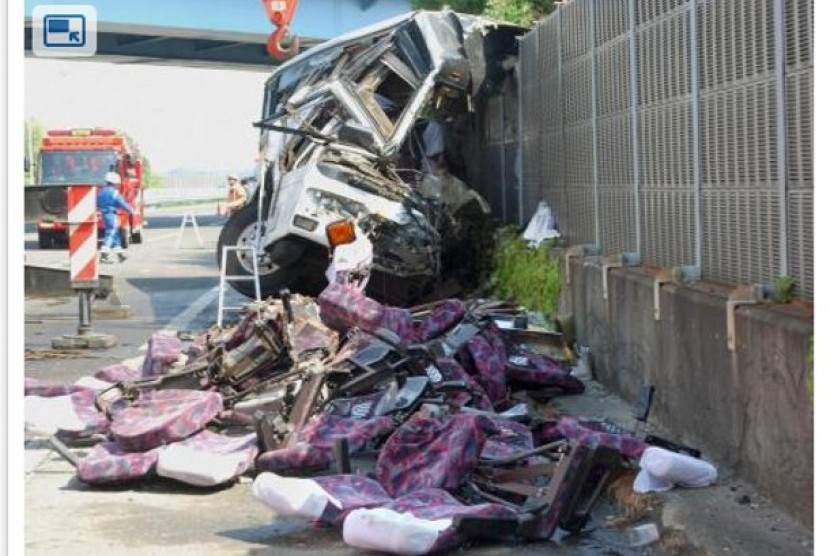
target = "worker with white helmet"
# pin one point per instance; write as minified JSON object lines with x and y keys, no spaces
{"x":109,"y":201}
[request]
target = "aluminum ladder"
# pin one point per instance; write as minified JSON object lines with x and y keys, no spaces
{"x":224,"y":278}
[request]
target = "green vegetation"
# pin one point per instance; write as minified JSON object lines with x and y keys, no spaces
{"x":784,"y":289}
{"x":525,"y":275}
{"x":32,"y":134}
{"x":151,"y":180}
{"x":513,"y":11}
{"x":521,"y":12}
{"x":463,"y":6}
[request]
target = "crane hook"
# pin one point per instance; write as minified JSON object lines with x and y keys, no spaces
{"x":281,"y":45}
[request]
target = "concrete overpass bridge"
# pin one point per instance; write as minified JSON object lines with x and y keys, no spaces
{"x":196,"y":33}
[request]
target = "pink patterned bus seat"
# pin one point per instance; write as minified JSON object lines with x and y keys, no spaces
{"x":118,"y":373}
{"x":427,"y":452}
{"x":108,"y":462}
{"x":539,"y":370}
{"x":46,"y":389}
{"x":591,"y":433}
{"x":162,"y":351}
{"x":441,"y":320}
{"x":343,"y":307}
{"x":164,"y":416}
{"x":315,"y":442}
{"x":207,"y":458}
{"x":511,"y":440}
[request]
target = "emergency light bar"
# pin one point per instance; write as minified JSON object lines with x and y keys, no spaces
{"x":82,"y":142}
{"x":81,"y":132}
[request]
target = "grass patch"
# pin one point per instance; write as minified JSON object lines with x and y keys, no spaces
{"x":784,"y":289}
{"x":527,"y":276}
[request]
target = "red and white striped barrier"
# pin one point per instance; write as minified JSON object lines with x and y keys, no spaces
{"x":83,"y":236}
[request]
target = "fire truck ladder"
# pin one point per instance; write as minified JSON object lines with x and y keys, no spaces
{"x":224,"y":278}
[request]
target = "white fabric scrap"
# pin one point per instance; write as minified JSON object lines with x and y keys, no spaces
{"x":542,"y":226}
{"x":355,"y":257}
{"x":661,"y":470}
{"x":93,"y":383}
{"x":290,"y":497}
{"x":49,"y":415}
{"x":199,"y":467}
{"x":386,"y":530}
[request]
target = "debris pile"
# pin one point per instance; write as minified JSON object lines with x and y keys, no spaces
{"x":421,"y":403}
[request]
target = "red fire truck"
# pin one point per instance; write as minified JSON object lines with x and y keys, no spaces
{"x":83,"y":156}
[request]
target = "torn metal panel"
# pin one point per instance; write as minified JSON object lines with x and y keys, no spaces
{"x":343,"y":137}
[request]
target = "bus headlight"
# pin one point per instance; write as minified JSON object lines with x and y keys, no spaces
{"x":321,"y":203}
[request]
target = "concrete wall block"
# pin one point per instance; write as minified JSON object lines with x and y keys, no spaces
{"x":566,"y":297}
{"x":578,"y":297}
{"x":748,"y":410}
{"x":776,"y":447}
{"x":597,"y":331}
{"x":698,"y":392}
{"x":635,"y":331}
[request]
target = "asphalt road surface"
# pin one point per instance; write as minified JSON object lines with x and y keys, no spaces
{"x":166,"y":287}
{"x":177,"y":288}
{"x":159,"y":281}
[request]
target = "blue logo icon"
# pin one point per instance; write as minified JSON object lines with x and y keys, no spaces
{"x":64,"y":30}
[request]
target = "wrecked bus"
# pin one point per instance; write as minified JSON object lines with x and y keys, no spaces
{"x":374,"y":127}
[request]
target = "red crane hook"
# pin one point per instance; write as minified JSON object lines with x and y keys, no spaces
{"x":280,"y":44}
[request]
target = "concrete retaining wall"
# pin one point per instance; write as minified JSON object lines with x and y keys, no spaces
{"x":748,"y":410}
{"x":43,"y":281}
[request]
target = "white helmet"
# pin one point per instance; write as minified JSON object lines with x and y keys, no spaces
{"x":112,"y":178}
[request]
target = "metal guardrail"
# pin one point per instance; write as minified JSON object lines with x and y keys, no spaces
{"x":162,"y":196}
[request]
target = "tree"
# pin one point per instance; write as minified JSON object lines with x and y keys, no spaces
{"x":32,"y":134}
{"x":520,"y":12}
{"x":463,"y":6}
{"x":514,"y":11}
{"x":150,"y":179}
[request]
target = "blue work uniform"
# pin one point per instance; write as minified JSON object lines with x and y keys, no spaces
{"x":109,"y":201}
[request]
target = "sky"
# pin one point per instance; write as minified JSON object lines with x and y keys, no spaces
{"x":191,"y":118}
{"x":313,"y":18}
{"x":182,"y":117}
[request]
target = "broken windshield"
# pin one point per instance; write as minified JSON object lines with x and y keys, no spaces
{"x":375,"y":77}
{"x":380,"y":82}
{"x":283,"y":84}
